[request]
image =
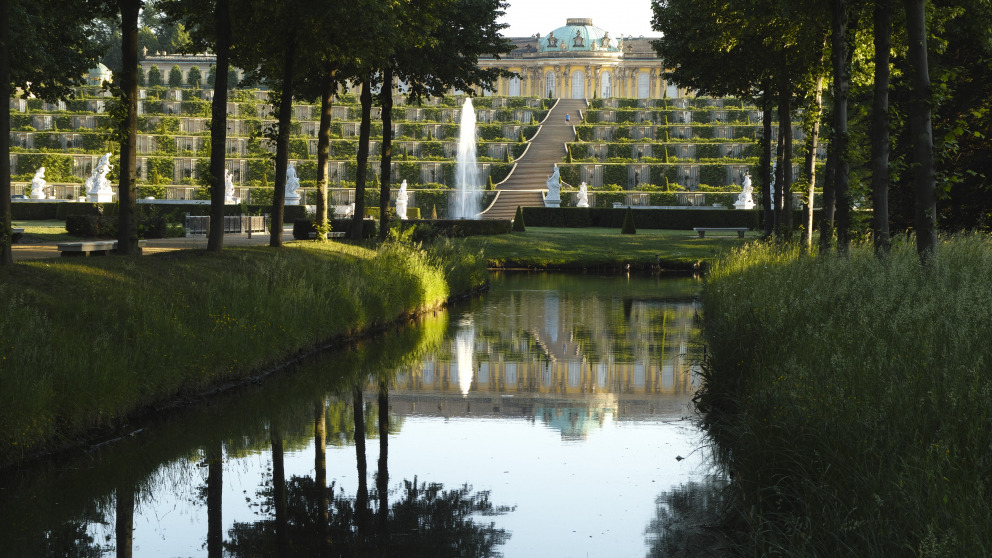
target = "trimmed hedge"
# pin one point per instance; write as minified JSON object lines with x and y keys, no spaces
{"x":303,"y":228}
{"x":100,"y":226}
{"x":459,"y":227}
{"x":674,"y":219}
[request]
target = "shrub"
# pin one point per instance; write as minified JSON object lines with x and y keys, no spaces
{"x":628,"y":223}
{"x":518,"y":221}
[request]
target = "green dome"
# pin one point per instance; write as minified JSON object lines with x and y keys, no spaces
{"x":578,"y":35}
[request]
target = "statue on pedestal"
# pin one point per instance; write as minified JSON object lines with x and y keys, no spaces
{"x":292,"y":185}
{"x":97,"y":185}
{"x":401,"y":201}
{"x":583,"y":196}
{"x":553,"y":199}
{"x":38,"y":185}
{"x":744,"y":200}
{"x":229,"y":187}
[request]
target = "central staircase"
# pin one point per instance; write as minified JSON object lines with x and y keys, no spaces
{"x":527,"y":181}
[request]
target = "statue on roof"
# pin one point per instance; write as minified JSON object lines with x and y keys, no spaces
{"x":578,"y":41}
{"x":605,"y":41}
{"x":552,"y":40}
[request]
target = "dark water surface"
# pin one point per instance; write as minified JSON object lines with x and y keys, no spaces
{"x":543,"y":419}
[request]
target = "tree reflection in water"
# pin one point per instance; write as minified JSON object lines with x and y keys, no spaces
{"x":425,"y":521}
{"x":688,"y":521}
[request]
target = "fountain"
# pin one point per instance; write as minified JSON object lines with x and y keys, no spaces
{"x":468,"y":184}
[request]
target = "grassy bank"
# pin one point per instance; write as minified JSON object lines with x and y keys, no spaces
{"x":851,"y":399}
{"x":568,"y":248}
{"x":88,"y":342}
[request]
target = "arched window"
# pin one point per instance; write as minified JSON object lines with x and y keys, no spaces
{"x":606,"y":89}
{"x":643,"y":85}
{"x":515,"y":86}
{"x":549,"y":84}
{"x":578,"y":84}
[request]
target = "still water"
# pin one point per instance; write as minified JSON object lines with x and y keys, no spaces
{"x":546,"y":418}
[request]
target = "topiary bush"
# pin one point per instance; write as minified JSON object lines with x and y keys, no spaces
{"x":518,"y":221}
{"x":628,"y":223}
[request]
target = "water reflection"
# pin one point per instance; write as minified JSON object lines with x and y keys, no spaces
{"x":562,"y":398}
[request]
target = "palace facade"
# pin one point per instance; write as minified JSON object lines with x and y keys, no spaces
{"x":582,"y":61}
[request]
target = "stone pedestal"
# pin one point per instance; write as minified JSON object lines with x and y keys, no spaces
{"x":292,"y":198}
{"x":744,"y":204}
{"x":100,"y":197}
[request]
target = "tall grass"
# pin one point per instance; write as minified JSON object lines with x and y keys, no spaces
{"x":86,"y":343}
{"x":852,"y":399}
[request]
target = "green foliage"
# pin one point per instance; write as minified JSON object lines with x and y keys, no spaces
{"x":160,"y":170}
{"x":615,"y":174}
{"x":628,"y":223}
{"x":609,"y":217}
{"x":58,"y":167}
{"x":299,"y":148}
{"x":155,"y":77}
{"x":890,"y":422}
{"x":176,"y":76}
{"x":193,"y":77}
{"x":713,"y":175}
{"x":518,"y":221}
{"x":490,"y":132}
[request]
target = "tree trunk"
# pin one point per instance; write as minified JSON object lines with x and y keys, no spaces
{"x":323,"y":149}
{"x":124,"y":522}
{"x":362,"y":158}
{"x":829,"y":181}
{"x":385,"y":168}
{"x":382,"y":479}
{"x":785,"y":132}
{"x":362,"y":496}
{"x":282,"y":142}
{"x":215,"y":492}
{"x":320,"y":477}
{"x":812,"y":141}
{"x":127,"y":192}
{"x":218,"y":127}
{"x":766,"y":162}
{"x":880,"y":130}
{"x":6,"y":253}
{"x":779,"y":177}
{"x":842,"y":85}
{"x":924,"y":180}
{"x":279,"y":490}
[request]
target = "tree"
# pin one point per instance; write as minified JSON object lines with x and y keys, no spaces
{"x":880,"y":127}
{"x":126,"y":89}
{"x":924,"y":180}
{"x":193,"y":77}
{"x":141,"y":76}
{"x":154,"y":77}
{"x":176,"y":76}
{"x":45,"y":48}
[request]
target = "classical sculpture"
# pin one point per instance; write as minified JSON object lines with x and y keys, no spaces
{"x":552,"y":40}
{"x":744,"y":200}
{"x":578,"y":41}
{"x":401,"y":201}
{"x":553,"y":199}
{"x":38,"y":185}
{"x":229,"y":187}
{"x":605,"y":41}
{"x":583,"y":196}
{"x":292,"y":185}
{"x":97,"y":185}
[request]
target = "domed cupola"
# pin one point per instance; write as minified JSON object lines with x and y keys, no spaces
{"x":578,"y":35}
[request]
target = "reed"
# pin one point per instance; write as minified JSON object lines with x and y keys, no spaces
{"x":850,"y":399}
{"x":86,"y":343}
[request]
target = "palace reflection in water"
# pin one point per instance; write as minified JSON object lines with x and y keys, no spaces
{"x":541,"y":419}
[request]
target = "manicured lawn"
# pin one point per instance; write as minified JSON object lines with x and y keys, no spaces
{"x":560,"y":248}
{"x":52,"y":230}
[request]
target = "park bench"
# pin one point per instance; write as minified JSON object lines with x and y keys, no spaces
{"x":16,"y":233}
{"x":332,"y":234}
{"x":702,"y":230}
{"x":91,"y":247}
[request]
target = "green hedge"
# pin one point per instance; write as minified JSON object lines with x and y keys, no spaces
{"x":673,"y":219}
{"x":303,"y":228}
{"x":101,"y":226}
{"x":459,"y":227}
{"x":58,"y":167}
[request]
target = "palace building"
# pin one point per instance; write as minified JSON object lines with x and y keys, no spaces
{"x":582,"y":61}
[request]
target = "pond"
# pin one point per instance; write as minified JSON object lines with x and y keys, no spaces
{"x":547,"y":418}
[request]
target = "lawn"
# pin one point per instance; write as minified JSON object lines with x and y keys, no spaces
{"x":572,"y":248}
{"x":52,"y":230}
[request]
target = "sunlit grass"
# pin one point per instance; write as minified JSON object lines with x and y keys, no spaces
{"x":85,"y":343}
{"x":545,"y":247}
{"x":852,"y":397}
{"x":51,"y":230}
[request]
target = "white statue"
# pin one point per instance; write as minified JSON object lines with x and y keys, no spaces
{"x":583,"y":196}
{"x":97,"y":185}
{"x":744,"y":200}
{"x":292,"y":185}
{"x":553,"y":199}
{"x":401,"y":201}
{"x":38,"y":185}
{"x":229,"y":187}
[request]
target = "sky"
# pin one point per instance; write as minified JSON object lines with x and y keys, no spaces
{"x":619,"y":17}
